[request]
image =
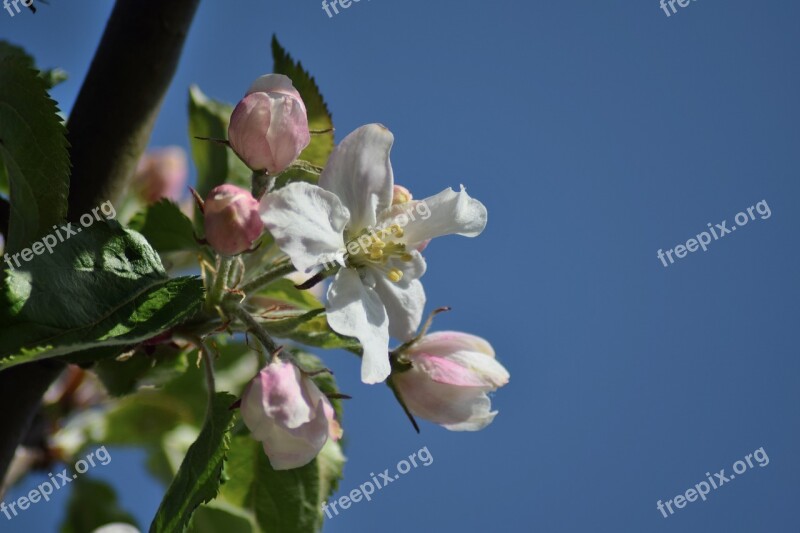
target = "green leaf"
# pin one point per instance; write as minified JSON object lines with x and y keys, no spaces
{"x":311,"y":329}
{"x":165,"y":227}
{"x":33,"y":149}
{"x":298,"y":171}
{"x":284,"y":292}
{"x":216,"y":163}
{"x":319,"y":118}
{"x":102,"y":287}
{"x":290,"y":501}
{"x":198,"y":479}
{"x":285,"y":501}
{"x":220,"y":516}
{"x":93,"y":504}
{"x":51,"y":77}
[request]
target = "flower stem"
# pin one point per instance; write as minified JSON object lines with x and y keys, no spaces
{"x":278,"y":271}
{"x":208,"y":364}
{"x":221,"y":279}
{"x":256,"y":329}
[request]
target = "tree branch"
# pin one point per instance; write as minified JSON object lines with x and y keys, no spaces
{"x":110,"y":124}
{"x":108,"y":130}
{"x":5,"y":216}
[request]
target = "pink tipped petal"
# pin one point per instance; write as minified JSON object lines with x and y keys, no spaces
{"x":465,"y":369}
{"x":447,"y":342}
{"x":232,"y":222}
{"x":307,"y":223}
{"x":269,"y":126}
{"x":286,"y":411}
{"x":275,"y":83}
{"x":462,"y":408}
{"x":450,"y":376}
{"x":359,"y":172}
{"x":357,"y":311}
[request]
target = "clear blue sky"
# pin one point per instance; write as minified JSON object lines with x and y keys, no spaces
{"x":596,"y":133}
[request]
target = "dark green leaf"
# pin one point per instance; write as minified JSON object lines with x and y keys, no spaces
{"x":319,"y":118}
{"x":104,"y":286}
{"x":165,"y":227}
{"x":199,"y":477}
{"x":33,"y":149}
{"x":216,"y":163}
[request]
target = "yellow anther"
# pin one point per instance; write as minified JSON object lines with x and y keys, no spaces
{"x":397,"y":230}
{"x":379,"y":244}
{"x":376,"y":253}
{"x":395,"y":275}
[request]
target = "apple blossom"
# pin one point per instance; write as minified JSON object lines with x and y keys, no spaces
{"x":449,"y":378}
{"x":349,"y":221}
{"x":286,"y":411}
{"x":232,"y":221}
{"x":269,"y":126}
{"x":162,"y":173}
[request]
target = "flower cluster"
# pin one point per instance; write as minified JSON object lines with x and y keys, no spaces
{"x":356,"y":227}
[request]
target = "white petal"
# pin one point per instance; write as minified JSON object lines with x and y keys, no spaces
{"x":357,"y":311}
{"x":307,"y":223}
{"x":446,"y":213}
{"x":359,"y":172}
{"x":456,"y":408}
{"x":404,"y":300}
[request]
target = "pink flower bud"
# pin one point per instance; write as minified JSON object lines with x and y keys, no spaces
{"x":449,"y":380}
{"x":291,"y":417}
{"x":269,"y":127}
{"x":232,"y":220}
{"x":161,"y":174}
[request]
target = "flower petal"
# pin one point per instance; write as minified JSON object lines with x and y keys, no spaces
{"x":357,"y":311}
{"x":359,"y":172}
{"x":276,"y":83}
{"x":443,"y":343}
{"x":307,"y":223}
{"x":456,"y":408}
{"x":405,"y":299}
{"x":446,"y":213}
{"x":462,"y":368}
{"x":289,"y":449}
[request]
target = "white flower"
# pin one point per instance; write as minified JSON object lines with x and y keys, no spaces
{"x":349,"y":219}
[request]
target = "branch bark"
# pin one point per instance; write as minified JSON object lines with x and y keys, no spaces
{"x":108,"y":130}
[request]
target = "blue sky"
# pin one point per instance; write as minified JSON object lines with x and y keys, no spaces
{"x":596,"y":133}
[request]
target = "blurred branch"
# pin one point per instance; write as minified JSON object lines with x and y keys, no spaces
{"x":108,"y":130}
{"x":5,"y":214}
